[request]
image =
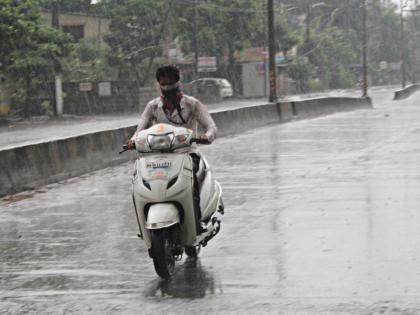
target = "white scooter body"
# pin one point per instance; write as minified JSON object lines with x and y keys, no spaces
{"x":163,"y":187}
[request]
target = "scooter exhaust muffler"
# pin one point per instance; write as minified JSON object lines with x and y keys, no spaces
{"x":213,"y":228}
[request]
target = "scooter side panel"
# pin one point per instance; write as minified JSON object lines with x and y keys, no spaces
{"x":188,"y":226}
{"x":209,"y":196}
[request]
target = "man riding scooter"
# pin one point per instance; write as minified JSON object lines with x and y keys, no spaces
{"x":177,"y":109}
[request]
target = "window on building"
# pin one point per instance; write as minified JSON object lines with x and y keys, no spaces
{"x":77,"y":31}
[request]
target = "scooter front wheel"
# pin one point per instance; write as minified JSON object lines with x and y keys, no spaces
{"x":192,"y":251}
{"x":163,"y":252}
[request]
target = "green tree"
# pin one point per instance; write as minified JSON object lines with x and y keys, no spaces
{"x":413,"y":43}
{"x":136,"y":36}
{"x":234,"y":29}
{"x":333,"y":31}
{"x":224,"y":28}
{"x":287,"y":35}
{"x":334,"y":54}
{"x":29,"y":52}
{"x":84,"y":6}
{"x":301,"y":71}
{"x":86,"y":63}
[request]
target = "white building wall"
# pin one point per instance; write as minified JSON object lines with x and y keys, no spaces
{"x":94,"y":26}
{"x":254,"y":79}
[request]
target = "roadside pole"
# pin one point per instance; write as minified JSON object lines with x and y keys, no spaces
{"x":414,"y":14}
{"x":402,"y":48}
{"x":195,"y":41}
{"x":271,"y":52}
{"x":58,"y":96}
{"x":58,"y":86}
{"x":264,"y":19}
{"x":364,"y":47}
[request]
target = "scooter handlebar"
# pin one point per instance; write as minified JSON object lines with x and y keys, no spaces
{"x":126,"y":148}
{"x":193,"y":140}
{"x":200,"y":141}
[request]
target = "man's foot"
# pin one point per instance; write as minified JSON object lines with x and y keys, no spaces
{"x":202,"y":228}
{"x":221,"y":208}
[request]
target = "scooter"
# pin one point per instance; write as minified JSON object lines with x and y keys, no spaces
{"x":163,"y":185}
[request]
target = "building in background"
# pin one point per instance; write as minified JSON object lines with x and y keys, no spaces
{"x":81,"y":26}
{"x":254,"y":72}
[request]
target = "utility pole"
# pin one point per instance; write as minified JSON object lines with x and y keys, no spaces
{"x":58,"y":86}
{"x":55,"y":12}
{"x":264,"y":21}
{"x":414,"y":13}
{"x":308,"y":24}
{"x":271,"y":52}
{"x":402,"y":48}
{"x":195,"y":40}
{"x":364,"y":48}
{"x":165,"y":35}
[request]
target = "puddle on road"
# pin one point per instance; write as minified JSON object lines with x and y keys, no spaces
{"x":190,"y":281}
{"x":9,"y":199}
{"x":18,"y":197}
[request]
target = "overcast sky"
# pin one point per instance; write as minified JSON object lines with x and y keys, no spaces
{"x":410,"y":2}
{"x":397,"y":2}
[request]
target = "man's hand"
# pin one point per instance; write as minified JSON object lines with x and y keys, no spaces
{"x":204,"y":139}
{"x":130,"y":144}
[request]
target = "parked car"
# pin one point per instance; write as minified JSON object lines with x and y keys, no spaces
{"x":221,"y":86}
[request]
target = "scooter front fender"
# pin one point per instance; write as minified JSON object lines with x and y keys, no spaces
{"x":162,"y":215}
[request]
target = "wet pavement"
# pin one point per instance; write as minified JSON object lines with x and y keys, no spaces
{"x":43,"y":129}
{"x":322,"y":217}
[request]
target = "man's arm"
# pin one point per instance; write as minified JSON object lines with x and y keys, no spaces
{"x":205,"y":120}
{"x":145,"y":119}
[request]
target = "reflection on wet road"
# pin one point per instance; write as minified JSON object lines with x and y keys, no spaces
{"x":322,"y":217}
{"x":191,"y":281}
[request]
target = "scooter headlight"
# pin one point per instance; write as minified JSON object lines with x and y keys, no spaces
{"x":160,"y":142}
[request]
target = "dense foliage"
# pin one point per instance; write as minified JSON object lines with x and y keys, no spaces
{"x":325,"y":36}
{"x":136,"y":36}
{"x":30,"y":53}
{"x":321,"y":40}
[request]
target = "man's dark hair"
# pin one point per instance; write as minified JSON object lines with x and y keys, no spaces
{"x":168,"y":71}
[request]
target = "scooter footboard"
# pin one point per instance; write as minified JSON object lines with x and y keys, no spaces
{"x":162,"y":215}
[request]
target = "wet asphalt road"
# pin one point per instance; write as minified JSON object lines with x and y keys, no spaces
{"x":322,"y":217}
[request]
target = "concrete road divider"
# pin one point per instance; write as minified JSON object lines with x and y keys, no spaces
{"x":404,"y":93}
{"x":287,"y":111}
{"x":324,"y":106}
{"x":242,"y":119}
{"x":32,"y":166}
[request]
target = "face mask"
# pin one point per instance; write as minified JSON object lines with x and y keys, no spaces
{"x":171,"y":92}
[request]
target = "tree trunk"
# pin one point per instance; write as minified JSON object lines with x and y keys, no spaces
{"x":27,"y":105}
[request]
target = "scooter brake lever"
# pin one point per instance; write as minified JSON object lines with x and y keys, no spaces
{"x":125,"y":148}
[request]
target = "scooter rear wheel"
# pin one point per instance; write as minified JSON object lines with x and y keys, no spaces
{"x":163,"y":252}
